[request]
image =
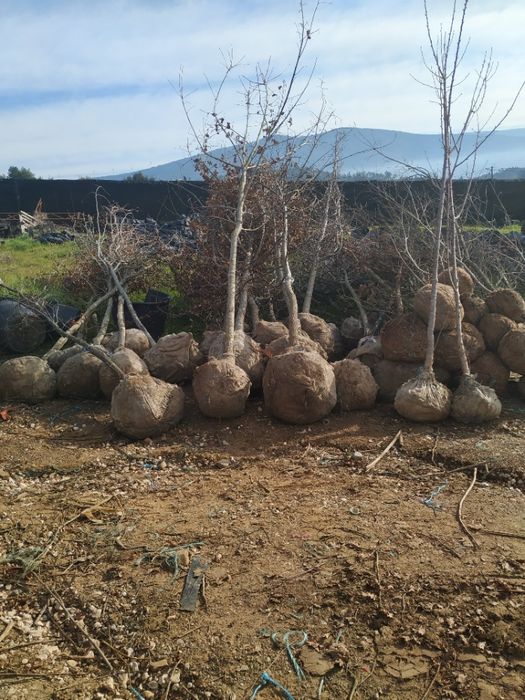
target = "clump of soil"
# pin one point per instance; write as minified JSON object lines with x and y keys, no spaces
{"x":447,"y":351}
{"x":128,"y":361}
{"x":474,"y":403}
{"x":423,"y":399}
{"x":221,"y":388}
{"x":474,"y":309}
{"x":507,"y":302}
{"x":404,"y":339}
{"x":351,"y":332}
{"x":326,"y":335}
{"x":143,"y":406}
{"x":512,"y":350}
{"x":266,"y":331}
{"x":78,"y":377}
{"x":248,"y":354}
{"x":174,"y":358}
{"x":490,"y":371}
{"x":466,"y":283}
{"x":28,"y":379}
{"x":356,"y":387}
{"x":299,"y":387}
{"x":135,"y":340}
{"x":493,"y":327}
{"x":445,"y":306}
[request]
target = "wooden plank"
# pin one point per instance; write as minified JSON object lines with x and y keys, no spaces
{"x":194,"y":578}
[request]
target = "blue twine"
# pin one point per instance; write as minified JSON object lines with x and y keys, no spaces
{"x":290,"y":645}
{"x":429,"y":502}
{"x":266,"y":679}
{"x":137,"y":694}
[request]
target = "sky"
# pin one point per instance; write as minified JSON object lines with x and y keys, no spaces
{"x":91,"y":87}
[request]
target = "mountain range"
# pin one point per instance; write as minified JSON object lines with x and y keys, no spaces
{"x":368,"y":151}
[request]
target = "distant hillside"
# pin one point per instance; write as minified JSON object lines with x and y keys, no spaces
{"x":356,"y":147}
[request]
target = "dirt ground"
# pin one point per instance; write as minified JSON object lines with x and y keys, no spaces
{"x":368,"y":575}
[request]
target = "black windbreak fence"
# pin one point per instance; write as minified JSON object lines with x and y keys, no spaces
{"x":496,"y":200}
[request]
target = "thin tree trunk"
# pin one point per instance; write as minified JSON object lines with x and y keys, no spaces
{"x":121,"y":323}
{"x":362,"y":312}
{"x":131,"y":310}
{"x":243,"y":295}
{"x":103,"y":329}
{"x":81,"y":321}
{"x":229,"y":321}
{"x":254,"y":312}
{"x":294,"y":324}
{"x":307,"y":301}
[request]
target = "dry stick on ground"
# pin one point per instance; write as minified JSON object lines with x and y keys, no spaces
{"x":460,"y":507}
{"x":398,"y":436}
{"x":93,"y":642}
{"x":358,"y":683}
{"x":431,"y":685}
{"x":497,"y":533}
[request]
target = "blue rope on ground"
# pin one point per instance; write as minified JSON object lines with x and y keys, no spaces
{"x":266,"y":679}
{"x":138,"y":695}
{"x":429,"y":502}
{"x":290,"y":645}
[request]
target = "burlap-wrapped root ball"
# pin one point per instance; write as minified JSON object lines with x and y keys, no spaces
{"x":207,"y":339}
{"x":326,"y":334}
{"x":351,"y":332}
{"x":221,"y":389}
{"x":78,"y":377}
{"x":423,"y":399}
{"x":474,"y":403}
{"x":465,"y":281}
{"x":304,"y":342}
{"x":404,"y":339}
{"x":369,"y":352}
{"x":490,"y":371}
{"x":57,"y":358}
{"x":356,"y":387}
{"x":507,"y":302}
{"x":248,"y":355}
{"x":135,"y":340}
{"x":512,"y":350}
{"x":299,"y":387}
{"x":445,"y":306}
{"x":390,"y":376}
{"x":493,"y":327}
{"x":143,"y":406}
{"x":474,"y":309}
{"x":266,"y":331}
{"x":27,"y":379}
{"x":174,"y":358}
{"x":128,"y":361}
{"x":447,"y":352}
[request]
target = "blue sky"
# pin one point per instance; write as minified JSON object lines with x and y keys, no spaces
{"x":90,"y":87}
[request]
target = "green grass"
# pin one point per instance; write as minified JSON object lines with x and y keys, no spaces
{"x":23,"y":261}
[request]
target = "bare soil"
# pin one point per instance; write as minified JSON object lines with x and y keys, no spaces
{"x":390,"y":596}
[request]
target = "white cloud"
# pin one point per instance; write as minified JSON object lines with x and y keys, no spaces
{"x":87,"y":91}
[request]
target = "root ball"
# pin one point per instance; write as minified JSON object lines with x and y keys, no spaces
{"x":299,"y":387}
{"x":474,"y":403}
{"x":143,"y":406}
{"x":445,"y":306}
{"x":174,"y":358}
{"x":490,"y":371}
{"x":356,"y":387}
{"x":404,"y":339}
{"x":512,"y":350}
{"x":136,"y":340}
{"x":423,"y":399}
{"x":221,"y":389}
{"x":128,"y":361}
{"x":507,"y":302}
{"x":447,"y":352}
{"x":28,"y":379}
{"x":78,"y":378}
{"x":466,"y":283}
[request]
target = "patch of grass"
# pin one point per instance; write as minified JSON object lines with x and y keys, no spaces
{"x":23,"y":261}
